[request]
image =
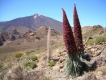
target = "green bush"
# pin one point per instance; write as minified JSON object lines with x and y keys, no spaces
{"x":18,"y":55}
{"x":33,"y":58}
{"x":97,"y":40}
{"x":31,"y":65}
{"x":90,"y":42}
{"x":100,"y":39}
{"x":51,"y":63}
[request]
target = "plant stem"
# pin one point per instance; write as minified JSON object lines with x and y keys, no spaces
{"x":74,"y":66}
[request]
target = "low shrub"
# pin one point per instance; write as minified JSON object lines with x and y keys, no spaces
{"x":51,"y":63}
{"x":97,"y":40}
{"x":18,"y":55}
{"x":90,"y":42}
{"x":33,"y":58}
{"x":100,"y":39}
{"x":31,"y":65}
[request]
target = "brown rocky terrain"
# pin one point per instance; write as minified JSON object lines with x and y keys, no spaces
{"x":89,"y":31}
{"x":16,"y":38}
{"x":97,"y":60}
{"x":12,"y":68}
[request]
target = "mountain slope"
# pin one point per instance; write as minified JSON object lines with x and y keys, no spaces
{"x":30,"y":23}
{"x":91,"y":31}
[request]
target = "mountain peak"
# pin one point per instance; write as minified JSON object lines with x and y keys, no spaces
{"x":35,"y":15}
{"x":33,"y":22}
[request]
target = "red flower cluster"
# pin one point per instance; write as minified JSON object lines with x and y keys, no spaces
{"x":72,"y":45}
{"x":77,"y":30}
{"x":68,"y":35}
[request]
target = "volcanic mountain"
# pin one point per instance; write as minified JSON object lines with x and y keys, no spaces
{"x":33,"y":22}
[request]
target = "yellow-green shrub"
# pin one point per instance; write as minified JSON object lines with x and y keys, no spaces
{"x":100,"y":39}
{"x":31,"y":65}
{"x":90,"y":42}
{"x":33,"y":58}
{"x":18,"y":55}
{"x":51,"y":63}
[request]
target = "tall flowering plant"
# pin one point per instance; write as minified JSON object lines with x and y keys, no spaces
{"x":68,"y":36}
{"x":77,"y":30}
{"x":73,"y":65}
{"x":78,"y":34}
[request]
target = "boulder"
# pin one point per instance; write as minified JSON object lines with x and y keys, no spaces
{"x":1,"y":43}
{"x":18,"y":74}
{"x":55,"y":58}
{"x":32,"y":75}
{"x":62,"y":59}
{"x":98,"y":61}
{"x":61,"y":65}
{"x":56,"y":68}
{"x":101,"y":75}
{"x":103,"y":53}
{"x":14,"y":74}
{"x":93,"y":50}
{"x":87,"y":76}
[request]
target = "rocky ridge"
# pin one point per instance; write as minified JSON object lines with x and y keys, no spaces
{"x":29,"y":36}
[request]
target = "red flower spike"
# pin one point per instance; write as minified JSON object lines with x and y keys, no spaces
{"x":68,"y":35}
{"x":77,"y":30}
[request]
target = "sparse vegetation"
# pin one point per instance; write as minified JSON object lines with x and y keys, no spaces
{"x":97,"y":40}
{"x":18,"y":55}
{"x":90,"y":42}
{"x":100,"y":39}
{"x":29,"y":65}
{"x":33,"y":58}
{"x":51,"y":63}
{"x":28,"y":52}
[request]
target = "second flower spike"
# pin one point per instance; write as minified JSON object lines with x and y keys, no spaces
{"x":77,"y":30}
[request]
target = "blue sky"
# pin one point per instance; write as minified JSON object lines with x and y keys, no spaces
{"x":91,"y":12}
